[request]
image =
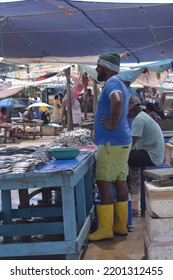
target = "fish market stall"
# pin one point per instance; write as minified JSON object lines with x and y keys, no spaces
{"x":57,"y":227}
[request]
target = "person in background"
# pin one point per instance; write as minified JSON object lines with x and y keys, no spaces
{"x":5,"y":119}
{"x":159,"y":110}
{"x":45,"y":117}
{"x":140,"y":93}
{"x":148,"y":146}
{"x":149,"y":96}
{"x":126,"y":78}
{"x":57,"y":111}
{"x":29,"y":114}
{"x":37,"y":99}
{"x":157,"y":96}
{"x":76,"y":112}
{"x":89,"y":101}
{"x":113,"y":139}
{"x":148,"y":141}
{"x":151,"y":111}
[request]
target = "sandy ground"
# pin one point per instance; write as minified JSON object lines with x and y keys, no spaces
{"x":38,"y":141}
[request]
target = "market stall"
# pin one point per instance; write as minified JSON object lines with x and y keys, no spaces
{"x":69,"y":221}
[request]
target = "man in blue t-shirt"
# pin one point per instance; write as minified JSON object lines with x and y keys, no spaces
{"x":113,"y":139}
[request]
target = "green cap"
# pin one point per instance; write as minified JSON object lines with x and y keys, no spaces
{"x":110,"y":60}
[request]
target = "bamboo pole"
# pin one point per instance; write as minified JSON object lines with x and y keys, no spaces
{"x":85,"y":94}
{"x":69,"y":101}
{"x":95,"y":96}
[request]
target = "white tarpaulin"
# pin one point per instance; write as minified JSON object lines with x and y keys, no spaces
{"x":9,"y":91}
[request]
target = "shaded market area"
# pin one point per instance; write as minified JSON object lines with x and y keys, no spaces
{"x":49,"y":92}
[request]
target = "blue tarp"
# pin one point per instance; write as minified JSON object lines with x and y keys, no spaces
{"x":61,"y":165}
{"x":67,"y":31}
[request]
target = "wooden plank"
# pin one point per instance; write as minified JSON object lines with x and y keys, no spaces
{"x":32,"y":228}
{"x":37,"y":212}
{"x":69,"y":213}
{"x":37,"y":248}
{"x":80,"y":204}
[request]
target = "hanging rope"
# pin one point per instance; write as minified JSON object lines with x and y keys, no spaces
{"x":103,"y":30}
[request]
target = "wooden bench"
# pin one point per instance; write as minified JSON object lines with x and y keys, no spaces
{"x":29,"y":128}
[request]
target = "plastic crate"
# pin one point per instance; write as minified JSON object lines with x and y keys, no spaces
{"x":129,"y":223}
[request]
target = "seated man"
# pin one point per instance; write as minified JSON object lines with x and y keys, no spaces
{"x":148,"y":141}
{"x":28,"y":115}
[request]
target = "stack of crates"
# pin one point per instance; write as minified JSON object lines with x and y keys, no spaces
{"x":158,"y":236}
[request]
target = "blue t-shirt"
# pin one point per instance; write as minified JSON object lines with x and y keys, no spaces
{"x":121,"y":135}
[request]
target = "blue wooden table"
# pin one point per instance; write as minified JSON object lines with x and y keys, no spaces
{"x":71,"y":220}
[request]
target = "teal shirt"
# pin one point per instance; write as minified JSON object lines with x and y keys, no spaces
{"x":150,"y":137}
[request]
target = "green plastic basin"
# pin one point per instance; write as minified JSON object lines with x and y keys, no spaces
{"x":64,"y":153}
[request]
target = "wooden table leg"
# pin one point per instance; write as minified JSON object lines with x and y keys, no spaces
{"x":24,"y":198}
{"x":7,"y":212}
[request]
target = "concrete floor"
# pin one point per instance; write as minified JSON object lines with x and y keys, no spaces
{"x":120,"y":248}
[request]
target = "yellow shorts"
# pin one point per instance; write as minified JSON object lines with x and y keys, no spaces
{"x":112,"y":162}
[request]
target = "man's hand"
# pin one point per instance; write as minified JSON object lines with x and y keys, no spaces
{"x":106,"y":122}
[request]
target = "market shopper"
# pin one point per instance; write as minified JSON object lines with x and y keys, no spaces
{"x":76,"y":112}
{"x":113,"y":139}
{"x":57,"y":111}
{"x":148,"y":141}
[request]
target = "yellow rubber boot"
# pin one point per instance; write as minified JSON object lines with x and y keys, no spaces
{"x":120,"y":218}
{"x":105,"y":214}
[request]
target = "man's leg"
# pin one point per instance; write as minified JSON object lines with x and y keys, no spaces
{"x":105,"y":213}
{"x":139,"y":158}
{"x":121,"y":208}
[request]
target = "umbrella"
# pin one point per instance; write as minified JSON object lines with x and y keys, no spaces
{"x":41,"y":105}
{"x":11,"y":103}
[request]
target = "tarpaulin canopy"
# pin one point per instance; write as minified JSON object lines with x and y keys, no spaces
{"x":10,"y":91}
{"x":78,"y":31}
{"x":149,"y":74}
